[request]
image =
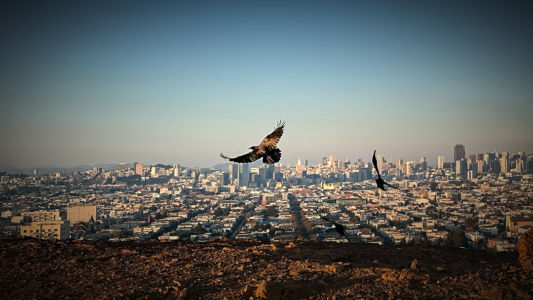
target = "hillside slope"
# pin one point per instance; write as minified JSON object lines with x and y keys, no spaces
{"x":240,"y":269}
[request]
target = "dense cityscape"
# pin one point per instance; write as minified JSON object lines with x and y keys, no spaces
{"x":479,"y":201}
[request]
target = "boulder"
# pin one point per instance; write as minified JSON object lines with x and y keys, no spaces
{"x":525,"y":250}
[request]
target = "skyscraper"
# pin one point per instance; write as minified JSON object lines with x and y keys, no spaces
{"x":504,"y":164}
{"x":423,"y":163}
{"x":458,"y":152}
{"x":176,"y":170}
{"x":460,"y":168}
{"x":138,"y":168}
{"x":233,"y":170}
{"x":440,"y":162}
{"x":245,"y":174}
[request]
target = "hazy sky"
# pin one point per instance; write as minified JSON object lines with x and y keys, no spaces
{"x":86,"y":83}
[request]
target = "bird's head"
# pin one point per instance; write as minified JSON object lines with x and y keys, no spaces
{"x":252,"y":147}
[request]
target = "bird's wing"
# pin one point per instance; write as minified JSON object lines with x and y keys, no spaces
{"x":326,"y":219}
{"x":271,"y":140}
{"x":392,"y":186}
{"x":395,"y":187}
{"x":245,"y":158}
{"x":375,"y":162}
{"x":322,"y":217}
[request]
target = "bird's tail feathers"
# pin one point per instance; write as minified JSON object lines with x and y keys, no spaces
{"x":272,"y":156}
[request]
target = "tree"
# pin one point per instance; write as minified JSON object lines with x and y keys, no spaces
{"x":199,"y":229}
{"x":471,"y":222}
{"x":270,"y":211}
{"x":456,"y":238}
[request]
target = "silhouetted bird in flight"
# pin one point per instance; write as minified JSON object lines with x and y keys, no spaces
{"x":380,"y":182}
{"x":338,"y":227}
{"x":267,"y":149}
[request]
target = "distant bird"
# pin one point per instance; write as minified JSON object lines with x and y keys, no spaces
{"x":380,"y":182}
{"x":267,"y":149}
{"x":338,"y":227}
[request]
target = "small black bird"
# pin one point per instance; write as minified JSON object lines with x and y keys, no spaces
{"x":338,"y":227}
{"x":380,"y":182}
{"x":267,"y":149}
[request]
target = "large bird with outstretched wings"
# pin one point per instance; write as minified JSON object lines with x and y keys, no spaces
{"x":338,"y":227}
{"x":266,"y":149}
{"x":379,"y":181}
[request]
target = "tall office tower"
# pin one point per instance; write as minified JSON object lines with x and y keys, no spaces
{"x":331,"y":160}
{"x":35,"y":172}
{"x":245,"y":174}
{"x":233,"y":170}
{"x":262,"y":174}
{"x":423,"y":163}
{"x":176,"y":170}
{"x":519,"y":167}
{"x":306,"y":163}
{"x":486,"y":159}
{"x":324,"y":161}
{"x":399,"y":164}
{"x":138,"y":168}
{"x":505,"y":154}
{"x":299,"y":162}
{"x":270,"y":171}
{"x":122,"y":166}
{"x":480,"y":166}
{"x":339,"y":165}
{"x":472,"y":157}
{"x":460,"y":168}
{"x":470,"y":163}
{"x":440,"y":162}
{"x":409,"y":168}
{"x":458,"y":152}
{"x":504,"y":164}
{"x":153,"y":171}
{"x":529,"y":163}
{"x":480,"y":156}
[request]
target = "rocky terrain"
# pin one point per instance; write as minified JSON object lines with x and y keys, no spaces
{"x":243,"y":269}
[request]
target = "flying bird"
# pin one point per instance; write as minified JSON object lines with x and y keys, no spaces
{"x":338,"y":227}
{"x":379,"y":181}
{"x":266,"y":149}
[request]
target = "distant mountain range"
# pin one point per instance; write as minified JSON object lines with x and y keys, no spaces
{"x":51,"y":169}
{"x":108,"y":166}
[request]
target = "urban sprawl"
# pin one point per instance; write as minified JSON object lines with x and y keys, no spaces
{"x":479,"y":201}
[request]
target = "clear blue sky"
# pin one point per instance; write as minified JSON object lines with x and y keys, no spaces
{"x":181,"y":81}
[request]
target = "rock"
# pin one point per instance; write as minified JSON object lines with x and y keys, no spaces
{"x":270,"y":247}
{"x":182,"y":294}
{"x":525,"y":250}
{"x":290,"y":245}
{"x":415,"y":265}
{"x":395,"y":275}
{"x":330,"y":269}
{"x":247,"y":291}
{"x":261,"y":290}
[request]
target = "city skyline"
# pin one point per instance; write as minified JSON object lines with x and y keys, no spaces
{"x":431,"y":161}
{"x":180,"y":82}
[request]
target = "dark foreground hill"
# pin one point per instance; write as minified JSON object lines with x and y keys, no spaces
{"x":240,"y":270}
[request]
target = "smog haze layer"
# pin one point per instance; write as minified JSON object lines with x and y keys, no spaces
{"x":87,"y":83}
